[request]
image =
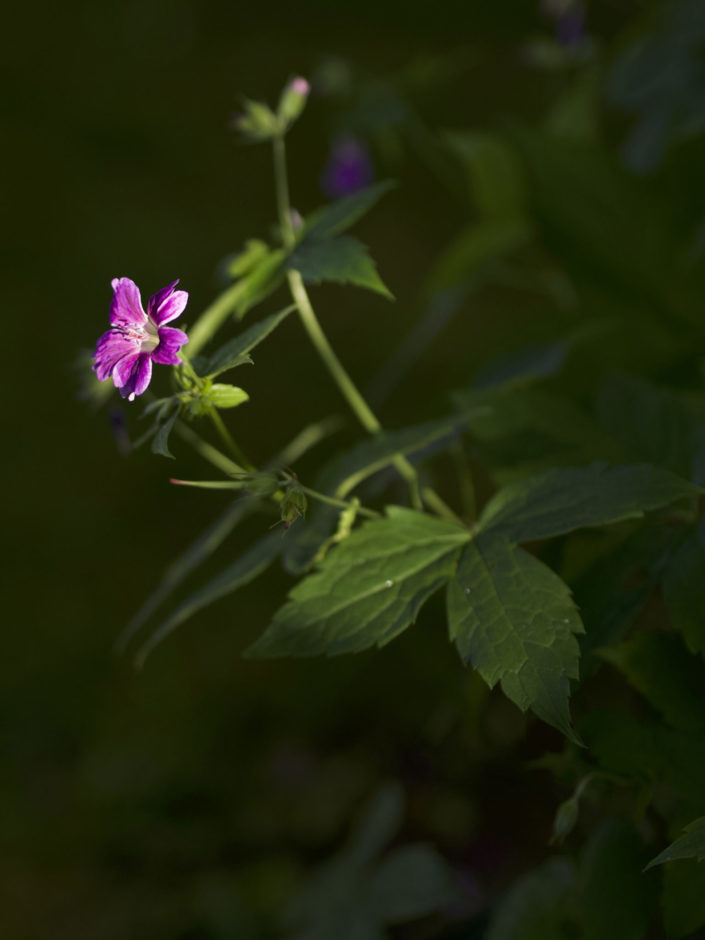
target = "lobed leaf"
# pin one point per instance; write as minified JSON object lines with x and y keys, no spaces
{"x":235,"y":352}
{"x":515,"y":621}
{"x":690,"y":845}
{"x":342,"y":259}
{"x":562,"y":500}
{"x":160,"y":444}
{"x":367,"y":590}
{"x":342,"y":214}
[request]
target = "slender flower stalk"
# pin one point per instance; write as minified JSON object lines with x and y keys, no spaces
{"x":311,"y":324}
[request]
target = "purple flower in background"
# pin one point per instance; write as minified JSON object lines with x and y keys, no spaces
{"x":136,"y":339}
{"x":349,"y":168}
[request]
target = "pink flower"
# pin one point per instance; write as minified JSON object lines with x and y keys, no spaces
{"x":137,"y":339}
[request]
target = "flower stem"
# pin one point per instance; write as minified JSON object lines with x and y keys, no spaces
{"x":339,"y":503}
{"x":206,"y":450}
{"x":213,"y":317}
{"x":229,"y":441}
{"x":311,"y":324}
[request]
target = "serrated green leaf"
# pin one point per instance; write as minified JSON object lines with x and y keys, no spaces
{"x":563,"y":500}
{"x":613,"y":589}
{"x":617,"y":898}
{"x":514,"y":620}
{"x":342,"y":214}
{"x":342,"y":259}
{"x":160,"y":444}
{"x":535,"y":906}
{"x":235,"y":352}
{"x":690,"y":845}
{"x":226,"y":396}
{"x":244,"y":569}
{"x":347,"y":471}
{"x":368,"y":589}
{"x":410,"y":882}
{"x":684,"y":589}
{"x":659,"y":666}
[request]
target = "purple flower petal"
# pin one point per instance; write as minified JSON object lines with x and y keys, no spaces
{"x":167,"y":304}
{"x":133,"y":375}
{"x":111,"y":347}
{"x":126,"y":308}
{"x":170,"y":342}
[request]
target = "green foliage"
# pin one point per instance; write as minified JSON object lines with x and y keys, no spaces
{"x":339,"y":216}
{"x":690,"y":845}
{"x":226,"y":396}
{"x":235,"y":352}
{"x":350,"y":469}
{"x":560,"y":501}
{"x":342,"y":259}
{"x":369,"y":589}
{"x":515,"y":621}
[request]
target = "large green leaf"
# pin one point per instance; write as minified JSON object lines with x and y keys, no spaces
{"x":343,"y":259}
{"x":684,"y":589}
{"x":369,"y":589}
{"x":235,"y":352}
{"x":342,"y":214}
{"x":244,"y":569}
{"x":690,"y":845}
{"x":514,"y":620}
{"x":562,"y":500}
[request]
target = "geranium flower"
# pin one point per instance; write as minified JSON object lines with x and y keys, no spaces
{"x":137,"y":339}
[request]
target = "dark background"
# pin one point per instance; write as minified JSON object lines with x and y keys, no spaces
{"x":190,"y":799}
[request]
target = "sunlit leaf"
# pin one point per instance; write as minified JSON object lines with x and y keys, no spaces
{"x":562,"y":500}
{"x":342,"y":259}
{"x":514,"y":620}
{"x":342,"y":214}
{"x":368,"y":589}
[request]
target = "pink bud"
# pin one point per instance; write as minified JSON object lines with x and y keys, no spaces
{"x":300,"y":86}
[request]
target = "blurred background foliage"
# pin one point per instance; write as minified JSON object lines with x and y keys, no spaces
{"x":550,"y":199}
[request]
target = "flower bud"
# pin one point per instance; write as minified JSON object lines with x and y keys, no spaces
{"x":565,"y":820}
{"x":293,"y":101}
{"x":293,"y":505}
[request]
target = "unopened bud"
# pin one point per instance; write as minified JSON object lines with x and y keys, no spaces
{"x":293,"y":100}
{"x":565,"y":820}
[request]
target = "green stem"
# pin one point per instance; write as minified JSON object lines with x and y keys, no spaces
{"x":226,"y":437}
{"x":206,"y":450}
{"x":213,"y":317}
{"x":347,"y":387}
{"x":339,"y":503}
